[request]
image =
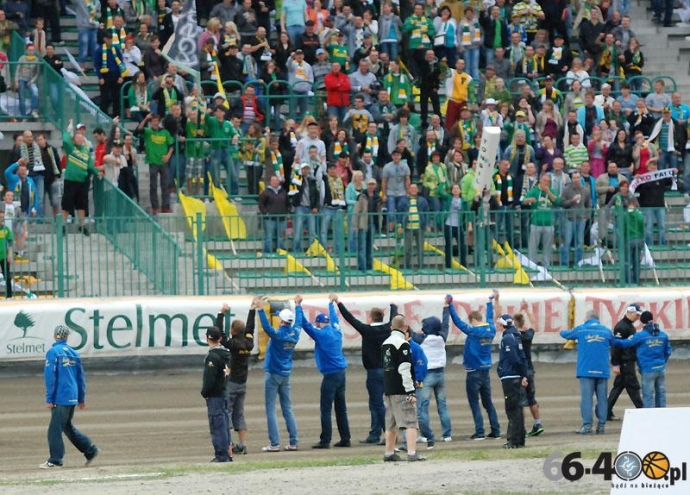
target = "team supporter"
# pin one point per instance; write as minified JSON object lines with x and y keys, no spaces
{"x":593,"y":345}
{"x":623,"y":362}
{"x":22,"y":187}
{"x":278,"y":366}
{"x":331,"y":363}
{"x":213,"y":390}
{"x":159,"y":148}
{"x":399,"y":391}
{"x":542,"y":200}
{"x":6,"y":242}
{"x":65,"y":385}
{"x":527,"y":334}
{"x":373,"y":333}
{"x":240,"y":343}
{"x":512,"y":370}
{"x":477,"y":363}
{"x":653,"y":349}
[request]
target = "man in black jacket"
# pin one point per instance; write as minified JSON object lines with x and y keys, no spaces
{"x":512,"y":370}
{"x":373,"y":333}
{"x":273,"y":206}
{"x":623,"y":362}
{"x":306,"y":204}
{"x":51,"y":177}
{"x":167,"y":28}
{"x":399,"y":391}
{"x":213,"y":390}
{"x":229,"y":66}
{"x":428,"y":86}
{"x":240,"y":343}
{"x":309,"y":42}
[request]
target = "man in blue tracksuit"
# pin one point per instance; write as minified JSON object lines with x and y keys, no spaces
{"x":65,"y":389}
{"x":477,"y":363}
{"x":512,"y":370}
{"x":278,"y":365}
{"x":594,"y":341}
{"x":653,"y":350}
{"x":432,"y":338}
{"x":328,"y":353}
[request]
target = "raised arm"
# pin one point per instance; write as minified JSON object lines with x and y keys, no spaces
{"x":333,"y":316}
{"x":265,"y":324}
{"x":445,"y":323}
{"x":464,"y":327}
{"x":524,"y":307}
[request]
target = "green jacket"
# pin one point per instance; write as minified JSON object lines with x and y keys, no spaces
{"x":79,"y":161}
{"x":468,"y":189}
{"x":215,"y":130}
{"x":435,"y":180}
{"x":399,"y":88}
{"x":413,"y":27}
{"x":542,"y":210}
{"x":633,"y":222}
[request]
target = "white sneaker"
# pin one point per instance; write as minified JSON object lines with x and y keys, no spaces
{"x":48,"y":465}
{"x":422,"y":440}
{"x":447,"y":439}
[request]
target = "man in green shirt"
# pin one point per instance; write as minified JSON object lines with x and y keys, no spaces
{"x":633,"y":236}
{"x":79,"y":164}
{"x":541,"y":200}
{"x":159,"y":147}
{"x":420,"y":31}
{"x":222,"y":135}
{"x":6,"y":239}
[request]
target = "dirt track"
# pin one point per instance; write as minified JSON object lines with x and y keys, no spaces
{"x":156,"y":421}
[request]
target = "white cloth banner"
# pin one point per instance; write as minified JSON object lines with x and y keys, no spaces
{"x":173,"y":326}
{"x":652,"y":176}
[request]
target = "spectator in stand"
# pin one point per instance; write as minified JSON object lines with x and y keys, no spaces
{"x":166,"y":96}
{"x":365,"y":219}
{"x":333,"y":206}
{"x":575,"y":153}
{"x":26,"y":205}
{"x":273,"y":206}
{"x":429,"y":85}
{"x":6,"y":29}
{"x":352,"y":193}
{"x":651,"y":199}
{"x":225,"y":11}
{"x":212,"y":32}
{"x":658,"y":100}
{"x":518,"y":154}
{"x":589,"y":115}
{"x":30,"y":151}
{"x":670,"y":138}
{"x":633,"y":63}
{"x":576,"y":200}
{"x":453,"y":228}
{"x":633,"y":238}
{"x":470,"y":41}
{"x":337,"y":91}
{"x":620,"y":151}
{"x":358,"y":118}
{"x":114,"y":162}
{"x":309,"y":42}
{"x":159,"y":148}
{"x":542,"y":200}
{"x":132,"y":57}
{"x":143,"y":36}
{"x":420,"y":31}
{"x":457,"y":91}
{"x":501,"y":64}
{"x":53,"y":173}
{"x":139,"y":104}
{"x":402,"y":130}
{"x":111,"y":70}
{"x":495,"y":32}
{"x":597,"y":149}
{"x":390,"y":31}
{"x":293,"y":17}
{"x":99,"y":150}
{"x":75,"y":197}
{"x":305,"y":202}
{"x":415,"y":212}
{"x":176,"y":122}
{"x":546,"y":154}
{"x":26,"y":75}
{"x":627,"y":99}
{"x":505,"y":198}
{"x":644,"y":153}
{"x":223,"y":135}
{"x":18,"y":11}
{"x":641,"y":119}
{"x":167,"y":27}
{"x":437,"y":187}
{"x":395,"y":180}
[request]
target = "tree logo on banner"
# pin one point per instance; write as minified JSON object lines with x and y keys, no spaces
{"x":24,"y":321}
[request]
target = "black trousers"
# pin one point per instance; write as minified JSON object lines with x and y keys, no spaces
{"x":428,"y":94}
{"x":512,"y":391}
{"x":628,"y":381}
{"x":7,"y":273}
{"x":51,"y":16}
{"x":110,"y":94}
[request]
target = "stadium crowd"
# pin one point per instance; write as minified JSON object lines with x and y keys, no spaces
{"x":386,"y":105}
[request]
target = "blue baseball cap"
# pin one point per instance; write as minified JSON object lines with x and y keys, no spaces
{"x":506,"y":320}
{"x":322,"y":318}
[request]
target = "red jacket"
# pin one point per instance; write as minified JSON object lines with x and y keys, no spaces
{"x":337,"y":89}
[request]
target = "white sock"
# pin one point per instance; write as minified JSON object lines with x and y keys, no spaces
{"x":411,"y":452}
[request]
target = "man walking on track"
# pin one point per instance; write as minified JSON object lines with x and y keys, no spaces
{"x":623,"y":362}
{"x":328,"y":352}
{"x":373,"y":333}
{"x":65,"y":389}
{"x":213,"y":390}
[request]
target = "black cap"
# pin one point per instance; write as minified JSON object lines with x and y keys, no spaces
{"x":646,"y":317}
{"x":299,"y":50}
{"x":344,"y":154}
{"x":309,"y":23}
{"x":213,"y":333}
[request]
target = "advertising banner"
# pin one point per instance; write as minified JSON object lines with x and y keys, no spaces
{"x":173,"y":326}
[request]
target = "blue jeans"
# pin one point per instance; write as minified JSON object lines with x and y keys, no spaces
{"x":489,"y":55}
{"x":219,"y":160}
{"x":654,"y":389}
{"x":27,"y":88}
{"x":391,"y":48}
{"x":574,"y":231}
{"x":176,"y":170}
{"x":393,"y":205}
{"x":329,"y":215}
{"x":652,"y":215}
{"x":333,"y":393}
{"x":624,"y":7}
{"x":478,"y":385}
{"x":301,"y":104}
{"x":61,"y":422}
{"x":471,"y":58}
{"x":364,"y":249}
{"x":295,"y":32}
{"x":504,"y":225}
{"x":668,"y":159}
{"x":435,"y":209}
{"x":219,"y":424}
{"x":351,"y":235}
{"x":40,"y":191}
{"x":435,"y":382}
{"x":339,"y":112}
{"x":589,"y":387}
{"x":278,"y":385}
{"x":273,"y":231}
{"x":376,"y":407}
{"x":632,"y":271}
{"x":87,"y":43}
{"x":303,"y":214}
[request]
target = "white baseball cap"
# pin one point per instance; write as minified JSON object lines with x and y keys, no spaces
{"x":286,"y":315}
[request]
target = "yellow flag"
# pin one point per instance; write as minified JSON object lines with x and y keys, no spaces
{"x":397,"y":281}
{"x":233,"y":223}
{"x":213,"y":262}
{"x":511,"y":255}
{"x":570,"y":345}
{"x":316,"y":249}
{"x":520,"y":277}
{"x":191,"y":207}
{"x":219,"y":83}
{"x":454,"y":263}
{"x":497,"y":247}
{"x":292,"y":265}
{"x":504,"y":262}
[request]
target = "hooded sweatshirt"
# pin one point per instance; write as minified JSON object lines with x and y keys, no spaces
{"x":433,"y":340}
{"x":282,"y":344}
{"x":653,"y":348}
{"x":477,"y":354}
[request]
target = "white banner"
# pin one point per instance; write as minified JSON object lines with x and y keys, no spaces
{"x":486,"y":162}
{"x":650,"y":177}
{"x":158,"y":326}
{"x":670,"y":307}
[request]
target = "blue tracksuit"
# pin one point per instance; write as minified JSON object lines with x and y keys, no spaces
{"x":64,"y":376}
{"x":593,"y":345}
{"x":653,"y":348}
{"x":12,"y":179}
{"x":419,"y":361}
{"x":512,"y":362}
{"x":328,"y":349}
{"x":282,"y":344}
{"x":477,"y":355}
